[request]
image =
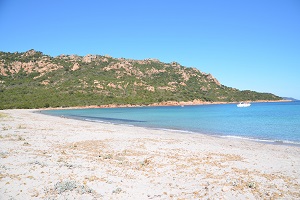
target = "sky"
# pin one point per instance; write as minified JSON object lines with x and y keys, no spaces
{"x":248,"y":44}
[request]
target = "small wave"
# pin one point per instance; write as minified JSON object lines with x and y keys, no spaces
{"x":288,"y":142}
{"x":106,"y":122}
{"x":97,"y":121}
{"x":110,"y":119}
{"x":130,"y":125}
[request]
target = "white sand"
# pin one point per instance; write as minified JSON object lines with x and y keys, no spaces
{"x":45,"y":157}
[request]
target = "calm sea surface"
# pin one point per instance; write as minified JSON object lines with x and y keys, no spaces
{"x":269,"y":122}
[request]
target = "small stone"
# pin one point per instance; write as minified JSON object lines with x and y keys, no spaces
{"x":34,"y":193}
{"x":26,"y":144}
{"x":251,"y":185}
{"x":117,"y":191}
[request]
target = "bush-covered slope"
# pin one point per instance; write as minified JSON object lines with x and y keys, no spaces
{"x":34,"y":80}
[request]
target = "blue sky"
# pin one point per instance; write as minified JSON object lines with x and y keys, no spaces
{"x":249,"y":44}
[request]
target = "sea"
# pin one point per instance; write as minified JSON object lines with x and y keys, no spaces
{"x":271,"y":122}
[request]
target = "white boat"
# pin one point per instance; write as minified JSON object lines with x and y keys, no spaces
{"x":242,"y":105}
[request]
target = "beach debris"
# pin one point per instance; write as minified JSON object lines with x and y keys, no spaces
{"x":5,"y":128}
{"x":36,"y":162}
{"x":251,"y":185}
{"x":21,"y":126}
{"x":108,"y":156}
{"x":64,"y":186}
{"x":91,"y":178}
{"x":117,"y":191}
{"x":20,"y":138}
{"x":3,"y":154}
{"x":74,"y":145}
{"x":61,"y":187}
{"x":68,"y":165}
{"x":3,"y":167}
{"x":60,"y":160}
{"x":26,"y":144}
{"x":154,"y":196}
{"x":34,"y":192}
{"x":145,"y":162}
{"x":234,"y":183}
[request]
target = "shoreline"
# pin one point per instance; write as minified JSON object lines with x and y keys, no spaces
{"x":44,"y":156}
{"x":168,"y":103}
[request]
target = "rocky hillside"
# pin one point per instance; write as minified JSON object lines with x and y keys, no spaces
{"x":33,"y":80}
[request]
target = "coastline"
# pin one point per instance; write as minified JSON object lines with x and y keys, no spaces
{"x":273,"y":141}
{"x":168,"y":103}
{"x":265,"y":141}
{"x":44,"y":156}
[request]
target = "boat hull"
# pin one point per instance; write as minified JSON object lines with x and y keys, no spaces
{"x":243,"y":105}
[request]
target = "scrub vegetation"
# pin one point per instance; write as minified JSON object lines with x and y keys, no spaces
{"x":34,"y":80}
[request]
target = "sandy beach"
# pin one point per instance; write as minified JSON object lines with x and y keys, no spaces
{"x":46,"y":157}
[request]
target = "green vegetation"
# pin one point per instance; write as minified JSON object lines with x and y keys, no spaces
{"x":34,"y":80}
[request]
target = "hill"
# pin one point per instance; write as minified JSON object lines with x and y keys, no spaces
{"x":34,"y":80}
{"x":290,"y":99}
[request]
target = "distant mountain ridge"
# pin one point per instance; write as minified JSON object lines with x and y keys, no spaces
{"x":290,"y":99}
{"x":34,"y":80}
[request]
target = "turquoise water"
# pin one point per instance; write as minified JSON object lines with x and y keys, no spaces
{"x":270,"y":122}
